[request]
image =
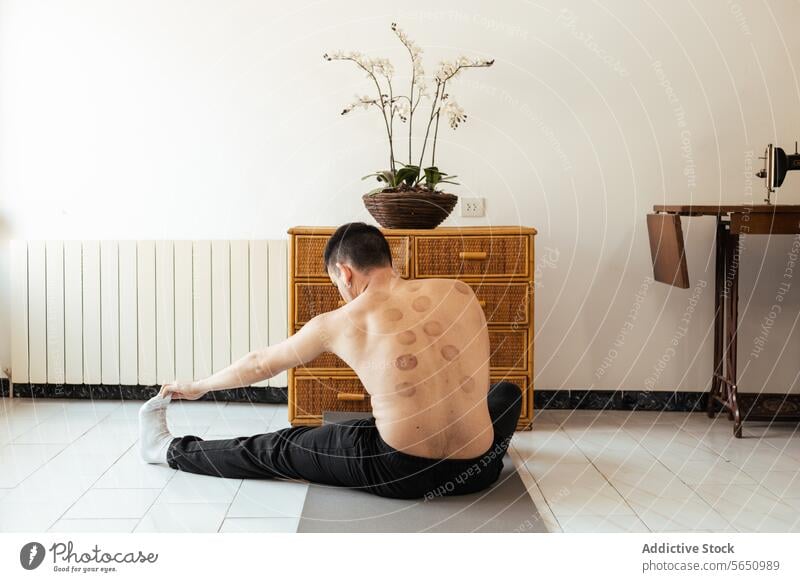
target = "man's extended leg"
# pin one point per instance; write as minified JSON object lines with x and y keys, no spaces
{"x":337,"y":454}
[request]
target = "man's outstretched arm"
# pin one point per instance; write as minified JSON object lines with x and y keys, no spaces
{"x":309,"y":342}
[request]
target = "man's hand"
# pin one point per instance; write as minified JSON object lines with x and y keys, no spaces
{"x":182,"y":390}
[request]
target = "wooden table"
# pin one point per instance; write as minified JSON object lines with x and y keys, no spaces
{"x":669,"y":266}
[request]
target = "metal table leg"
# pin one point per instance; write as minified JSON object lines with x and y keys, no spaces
{"x":733,"y":325}
{"x":724,"y":389}
{"x":719,"y":326}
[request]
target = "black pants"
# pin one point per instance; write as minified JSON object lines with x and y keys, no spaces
{"x":353,"y":454}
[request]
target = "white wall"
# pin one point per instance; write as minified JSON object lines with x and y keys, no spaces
{"x":220,"y":119}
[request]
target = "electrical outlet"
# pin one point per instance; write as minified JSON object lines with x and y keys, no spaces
{"x":473,"y":207}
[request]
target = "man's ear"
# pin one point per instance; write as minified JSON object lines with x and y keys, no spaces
{"x":345,"y":274}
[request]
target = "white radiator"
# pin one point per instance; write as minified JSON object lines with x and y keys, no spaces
{"x":142,"y":312}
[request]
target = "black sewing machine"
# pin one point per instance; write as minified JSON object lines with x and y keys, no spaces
{"x":776,"y":164}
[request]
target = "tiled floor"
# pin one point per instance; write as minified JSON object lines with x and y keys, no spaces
{"x":70,"y":465}
{"x":613,"y":471}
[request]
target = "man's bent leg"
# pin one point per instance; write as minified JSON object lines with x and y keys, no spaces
{"x":335,"y":454}
{"x":505,"y":406}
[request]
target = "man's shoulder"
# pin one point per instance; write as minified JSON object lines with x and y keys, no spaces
{"x":449,"y":285}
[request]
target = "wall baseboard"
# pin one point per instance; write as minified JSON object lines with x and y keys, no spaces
{"x":619,"y":400}
{"x":259,"y":394}
{"x":766,"y":405}
{"x":630,"y":400}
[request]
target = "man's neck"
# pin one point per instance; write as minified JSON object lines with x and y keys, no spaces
{"x":379,"y":279}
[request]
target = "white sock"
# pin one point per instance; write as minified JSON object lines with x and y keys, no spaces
{"x":154,"y":435}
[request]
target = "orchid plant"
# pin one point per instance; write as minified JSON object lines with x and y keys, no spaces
{"x":394,"y":105}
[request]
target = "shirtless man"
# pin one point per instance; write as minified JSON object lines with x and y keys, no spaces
{"x":421,"y":350}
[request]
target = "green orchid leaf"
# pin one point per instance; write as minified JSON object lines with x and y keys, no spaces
{"x":407,"y":174}
{"x":384,"y":176}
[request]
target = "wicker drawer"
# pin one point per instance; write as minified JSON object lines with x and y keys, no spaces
{"x":504,"y":303}
{"x":311,"y":299}
{"x":325,"y":361}
{"x":484,"y":256}
{"x":313,"y":395}
{"x":310,"y":248}
{"x":509,"y":349}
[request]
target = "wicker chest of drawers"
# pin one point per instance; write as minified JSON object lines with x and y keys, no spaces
{"x":497,"y":262}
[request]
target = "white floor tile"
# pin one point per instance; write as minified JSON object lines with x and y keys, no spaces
{"x":58,"y":430}
{"x":269,"y":498}
{"x":783,"y":484}
{"x":760,"y":458}
{"x":55,"y":407}
{"x":183,"y":518}
{"x":127,"y":410}
{"x":192,"y":488}
{"x":543,"y":463}
{"x":543,"y":418}
{"x":195,"y":412}
{"x":278,"y":422}
{"x":679,"y":446}
{"x":728,"y":499}
{"x":651,"y":417}
{"x":789,"y":445}
{"x":579,"y":490}
{"x":751,"y":508}
{"x":550,"y":521}
{"x":555,"y":447}
{"x":588,"y":419}
{"x":250,"y":411}
{"x":19,"y":461}
{"x":677,"y":458}
{"x":657,"y":482}
{"x":544,"y":468}
{"x":586,"y":500}
{"x":692,"y":514}
{"x":718,"y":472}
{"x":131,"y":472}
{"x":14,"y":425}
{"x":611,"y":462}
{"x":34,"y":516}
{"x":54,"y":482}
{"x":260,"y":524}
{"x":596,"y":443}
{"x":94,"y":525}
{"x":112,"y":503}
{"x":108,"y":436}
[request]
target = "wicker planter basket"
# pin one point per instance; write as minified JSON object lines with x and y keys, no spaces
{"x":410,"y":209}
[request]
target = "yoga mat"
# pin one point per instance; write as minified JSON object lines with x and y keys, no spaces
{"x":504,"y":507}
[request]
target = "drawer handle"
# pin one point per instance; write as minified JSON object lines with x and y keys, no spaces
{"x":472,"y":255}
{"x":351,"y":396}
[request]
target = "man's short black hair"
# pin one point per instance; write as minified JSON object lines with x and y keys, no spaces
{"x":360,"y":244}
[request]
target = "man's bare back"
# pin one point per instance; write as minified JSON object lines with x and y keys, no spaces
{"x":421,"y":349}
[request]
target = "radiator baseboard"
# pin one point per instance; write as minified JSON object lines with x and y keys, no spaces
{"x":259,"y":394}
{"x":626,"y":400}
